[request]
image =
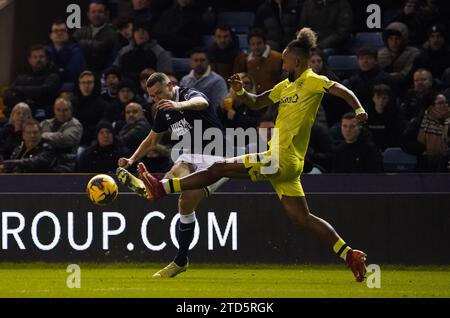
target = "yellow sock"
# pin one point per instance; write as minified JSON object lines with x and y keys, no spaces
{"x":171,"y":185}
{"x":341,"y":248}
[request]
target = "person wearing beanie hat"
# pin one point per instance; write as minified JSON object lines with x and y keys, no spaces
{"x":397,"y":57}
{"x":112,"y":77}
{"x":102,"y":156}
{"x":435,"y":56}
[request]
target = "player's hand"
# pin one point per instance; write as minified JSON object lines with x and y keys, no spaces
{"x":125,"y":162}
{"x":166,"y":104}
{"x":235,"y":82}
{"x":362,"y":117}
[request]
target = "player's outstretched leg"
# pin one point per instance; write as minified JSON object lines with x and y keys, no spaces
{"x":197,"y":180}
{"x":133,"y":183}
{"x":298,"y":211}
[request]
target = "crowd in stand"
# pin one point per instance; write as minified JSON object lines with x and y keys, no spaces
{"x":83,"y":104}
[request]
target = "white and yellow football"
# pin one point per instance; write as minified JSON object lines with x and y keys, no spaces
{"x":102,"y":189}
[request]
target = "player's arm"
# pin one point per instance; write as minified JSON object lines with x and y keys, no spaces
{"x":196,"y":103}
{"x":350,"y":98}
{"x":251,"y":100}
{"x":149,"y":143}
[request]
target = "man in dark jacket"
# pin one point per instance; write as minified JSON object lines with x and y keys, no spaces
{"x":65,"y":54}
{"x":356,"y":154}
{"x":89,"y":107}
{"x":33,"y":155}
{"x":97,"y":40}
{"x":331,"y":19}
{"x":180,"y":28}
{"x":280,"y":20}
{"x":136,"y":128}
{"x":103,"y":155}
{"x":143,"y":52}
{"x":368,"y":76}
{"x":436,"y":57}
{"x":37,"y":88}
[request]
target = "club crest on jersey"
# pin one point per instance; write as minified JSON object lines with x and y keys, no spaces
{"x":168,"y":117}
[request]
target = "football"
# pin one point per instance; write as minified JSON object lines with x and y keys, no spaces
{"x":102,"y":189}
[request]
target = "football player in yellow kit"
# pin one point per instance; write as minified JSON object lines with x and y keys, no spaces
{"x":299,"y":98}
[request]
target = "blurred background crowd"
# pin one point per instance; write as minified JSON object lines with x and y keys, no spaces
{"x":82,"y":103}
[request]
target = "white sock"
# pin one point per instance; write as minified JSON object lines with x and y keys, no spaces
{"x":165,"y":183}
{"x":187,"y":218}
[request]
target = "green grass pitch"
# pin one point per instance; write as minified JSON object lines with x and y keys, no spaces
{"x":219,"y":281}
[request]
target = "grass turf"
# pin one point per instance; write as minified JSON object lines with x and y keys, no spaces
{"x":219,"y":281}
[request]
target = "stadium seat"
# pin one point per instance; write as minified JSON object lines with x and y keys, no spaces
{"x":374,"y":39}
{"x":181,"y":66}
{"x":396,"y":160}
{"x":343,"y":65}
{"x":238,"y":21}
{"x":243,"y":42}
{"x":208,"y":41}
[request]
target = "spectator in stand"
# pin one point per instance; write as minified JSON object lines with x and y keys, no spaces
{"x":63,"y":133}
{"x":112,"y":78}
{"x":89,"y":107}
{"x":65,"y":54}
{"x":124,"y":28}
{"x":384,"y":122}
{"x":103,"y":155}
{"x":11,"y":133}
{"x":38,"y":88}
{"x":203,"y":79}
{"x":141,"y":12}
{"x":143,"y":52}
{"x":115,"y":112}
{"x":428,"y":136}
{"x":397,"y":57}
{"x":417,"y":15}
{"x":263,"y":63}
{"x":369,"y":75}
{"x":97,"y":40}
{"x":237,"y":114}
{"x":279,"y":19}
{"x":136,"y":127}
{"x":356,"y":154}
{"x":436,"y":56}
{"x":332,"y":108}
{"x":225,"y":56}
{"x":179,"y":29}
{"x":32,"y":155}
{"x":414,"y":104}
{"x":332,"y":20}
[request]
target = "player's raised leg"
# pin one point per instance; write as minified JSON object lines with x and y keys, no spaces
{"x":197,"y":180}
{"x":298,"y":212}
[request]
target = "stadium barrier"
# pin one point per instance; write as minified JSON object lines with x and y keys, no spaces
{"x":396,"y":219}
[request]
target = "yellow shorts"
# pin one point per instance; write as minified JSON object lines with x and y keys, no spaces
{"x":282,"y":172}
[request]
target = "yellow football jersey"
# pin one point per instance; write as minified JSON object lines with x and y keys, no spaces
{"x":299,"y":102}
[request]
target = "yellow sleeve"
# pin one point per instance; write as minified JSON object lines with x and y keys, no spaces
{"x":319,"y":84}
{"x":275,"y":93}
